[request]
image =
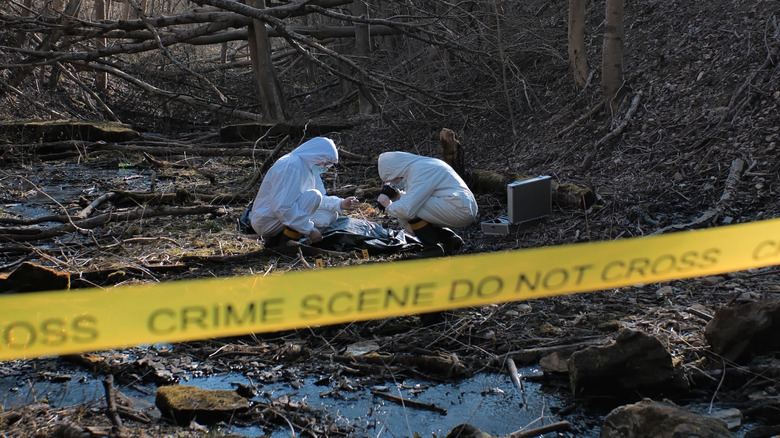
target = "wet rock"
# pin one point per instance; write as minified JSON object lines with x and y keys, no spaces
{"x":555,"y":363}
{"x":636,"y":361}
{"x":184,"y":404}
{"x":732,"y":417}
{"x":652,"y":419}
{"x":738,"y":332}
{"x":29,"y":277}
{"x":468,"y":431}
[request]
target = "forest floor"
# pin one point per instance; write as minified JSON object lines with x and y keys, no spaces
{"x":706,"y":84}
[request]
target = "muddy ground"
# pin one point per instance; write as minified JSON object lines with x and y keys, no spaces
{"x":705,"y":81}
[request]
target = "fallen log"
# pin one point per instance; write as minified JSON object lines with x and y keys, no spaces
{"x":567,"y":194}
{"x":10,"y":235}
{"x":58,"y":130}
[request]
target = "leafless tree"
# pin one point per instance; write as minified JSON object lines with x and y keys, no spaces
{"x":612,"y":61}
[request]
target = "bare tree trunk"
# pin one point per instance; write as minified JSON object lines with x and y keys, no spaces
{"x":271,"y":96}
{"x":363,"y":52}
{"x":577,"y":55}
{"x":612,"y":61}
{"x":101,"y":80}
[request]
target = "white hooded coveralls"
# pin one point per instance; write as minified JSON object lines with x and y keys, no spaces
{"x":292,"y":195}
{"x":433,"y":191}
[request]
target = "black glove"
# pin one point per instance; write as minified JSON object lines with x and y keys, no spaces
{"x":391,"y":192}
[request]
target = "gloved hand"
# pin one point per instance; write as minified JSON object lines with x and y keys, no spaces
{"x":391,"y":192}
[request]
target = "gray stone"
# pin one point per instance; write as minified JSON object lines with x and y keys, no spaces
{"x":186,"y":403}
{"x":652,"y":419}
{"x":737,"y":332}
{"x":635,"y":361}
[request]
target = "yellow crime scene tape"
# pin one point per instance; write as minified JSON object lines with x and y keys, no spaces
{"x":65,"y":322}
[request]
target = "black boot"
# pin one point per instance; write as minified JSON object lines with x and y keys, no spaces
{"x":450,"y":241}
{"x":429,"y":236}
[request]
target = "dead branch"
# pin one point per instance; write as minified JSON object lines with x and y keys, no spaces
{"x":189,"y":100}
{"x":552,"y":427}
{"x":623,"y":123}
{"x":170,"y":56}
{"x":735,"y":174}
{"x":267,"y":163}
{"x":111,"y":412}
{"x":95,"y":204}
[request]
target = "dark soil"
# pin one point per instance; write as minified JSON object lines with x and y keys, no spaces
{"x":707,"y":80}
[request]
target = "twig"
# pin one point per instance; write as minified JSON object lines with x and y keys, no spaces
{"x":699,"y":313}
{"x":514,"y":375}
{"x":303,"y":260}
{"x":411,"y":403}
{"x":722,"y":377}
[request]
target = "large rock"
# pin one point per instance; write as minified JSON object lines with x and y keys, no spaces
{"x":740,"y":331}
{"x":207,"y":406}
{"x":468,"y":431}
{"x":635,"y":362}
{"x":651,"y":419}
{"x":29,"y":277}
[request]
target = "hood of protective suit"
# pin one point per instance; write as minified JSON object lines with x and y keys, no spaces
{"x":391,"y":165}
{"x":317,"y":150}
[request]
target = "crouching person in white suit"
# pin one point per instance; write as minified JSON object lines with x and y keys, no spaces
{"x":291,"y":202}
{"x":431,"y":198}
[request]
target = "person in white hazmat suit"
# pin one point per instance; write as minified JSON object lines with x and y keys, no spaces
{"x":431,"y":198}
{"x":291,"y":202}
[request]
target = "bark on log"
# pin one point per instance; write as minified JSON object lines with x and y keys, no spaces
{"x":59,"y":130}
{"x":567,"y":194}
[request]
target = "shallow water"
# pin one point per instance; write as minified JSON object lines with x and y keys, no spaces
{"x":487,"y":401}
